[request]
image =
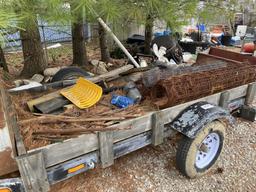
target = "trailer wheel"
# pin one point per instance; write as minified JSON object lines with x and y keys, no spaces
{"x":196,"y":156}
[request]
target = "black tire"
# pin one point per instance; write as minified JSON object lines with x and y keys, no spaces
{"x":69,"y":73}
{"x":188,"y":150}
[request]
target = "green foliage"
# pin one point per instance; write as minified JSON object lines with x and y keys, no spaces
{"x":8,"y":21}
{"x":174,"y":12}
{"x":108,"y":9}
{"x":215,"y":9}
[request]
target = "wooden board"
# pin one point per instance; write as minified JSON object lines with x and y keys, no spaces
{"x":157,"y":129}
{"x":33,"y":172}
{"x":42,"y":99}
{"x":106,"y":148}
{"x":68,"y":149}
{"x":251,"y":93}
{"x":224,"y":99}
{"x":60,"y":152}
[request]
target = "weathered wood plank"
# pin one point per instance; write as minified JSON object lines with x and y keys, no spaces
{"x":251,"y":93}
{"x":138,"y":125}
{"x":157,"y":129}
{"x":224,"y":99}
{"x":42,"y":99}
{"x":238,"y":92}
{"x":106,"y":148}
{"x":72,"y":148}
{"x":60,"y":152}
{"x":33,"y":172}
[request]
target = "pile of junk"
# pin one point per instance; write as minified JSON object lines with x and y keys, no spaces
{"x":183,"y":47}
{"x":75,"y":101}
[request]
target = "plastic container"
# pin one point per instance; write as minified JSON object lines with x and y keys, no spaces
{"x":158,"y":34}
{"x":121,"y":101}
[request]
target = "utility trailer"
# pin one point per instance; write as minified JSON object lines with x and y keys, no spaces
{"x":202,"y":122}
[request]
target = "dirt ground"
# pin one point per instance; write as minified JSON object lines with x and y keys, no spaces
{"x":152,"y":169}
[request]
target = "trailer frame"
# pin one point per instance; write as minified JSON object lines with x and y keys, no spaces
{"x":42,"y":167}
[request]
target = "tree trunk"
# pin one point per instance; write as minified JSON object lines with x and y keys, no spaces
{"x":33,"y":53}
{"x":3,"y":63}
{"x":148,"y":34}
{"x":232,"y":26}
{"x":105,"y":56}
{"x":78,"y":40}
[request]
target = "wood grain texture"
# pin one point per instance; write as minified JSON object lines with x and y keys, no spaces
{"x":251,"y":93}
{"x":60,"y":152}
{"x":106,"y":148}
{"x":33,"y":172}
{"x":157,"y":129}
{"x":224,"y":99}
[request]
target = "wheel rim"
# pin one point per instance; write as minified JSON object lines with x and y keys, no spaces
{"x":207,"y":150}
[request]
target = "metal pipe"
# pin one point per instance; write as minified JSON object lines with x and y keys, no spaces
{"x":104,"y":25}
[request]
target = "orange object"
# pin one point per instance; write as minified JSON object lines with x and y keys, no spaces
{"x":249,"y":47}
{"x":77,"y":168}
{"x":5,"y":190}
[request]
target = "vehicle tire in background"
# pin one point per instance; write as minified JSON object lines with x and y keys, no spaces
{"x":69,"y":73}
{"x":196,"y":156}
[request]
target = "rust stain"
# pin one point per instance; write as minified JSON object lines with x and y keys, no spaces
{"x":7,"y":163}
{"x":2,"y":119}
{"x":190,"y":86}
{"x":232,"y":55}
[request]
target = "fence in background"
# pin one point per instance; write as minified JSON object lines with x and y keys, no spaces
{"x":49,"y":34}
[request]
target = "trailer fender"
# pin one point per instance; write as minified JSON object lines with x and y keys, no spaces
{"x":192,"y":120}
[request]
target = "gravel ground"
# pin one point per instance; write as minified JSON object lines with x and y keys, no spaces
{"x":152,"y":169}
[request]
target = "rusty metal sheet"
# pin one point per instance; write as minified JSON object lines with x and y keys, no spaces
{"x":206,"y":59}
{"x":7,"y":144}
{"x":7,"y":162}
{"x":190,"y":86}
{"x":232,"y":55}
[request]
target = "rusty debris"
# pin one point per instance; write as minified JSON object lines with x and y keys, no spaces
{"x":235,"y":56}
{"x":151,"y":77}
{"x":189,"y":86}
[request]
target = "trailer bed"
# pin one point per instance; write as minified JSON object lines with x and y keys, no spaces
{"x":60,"y":152}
